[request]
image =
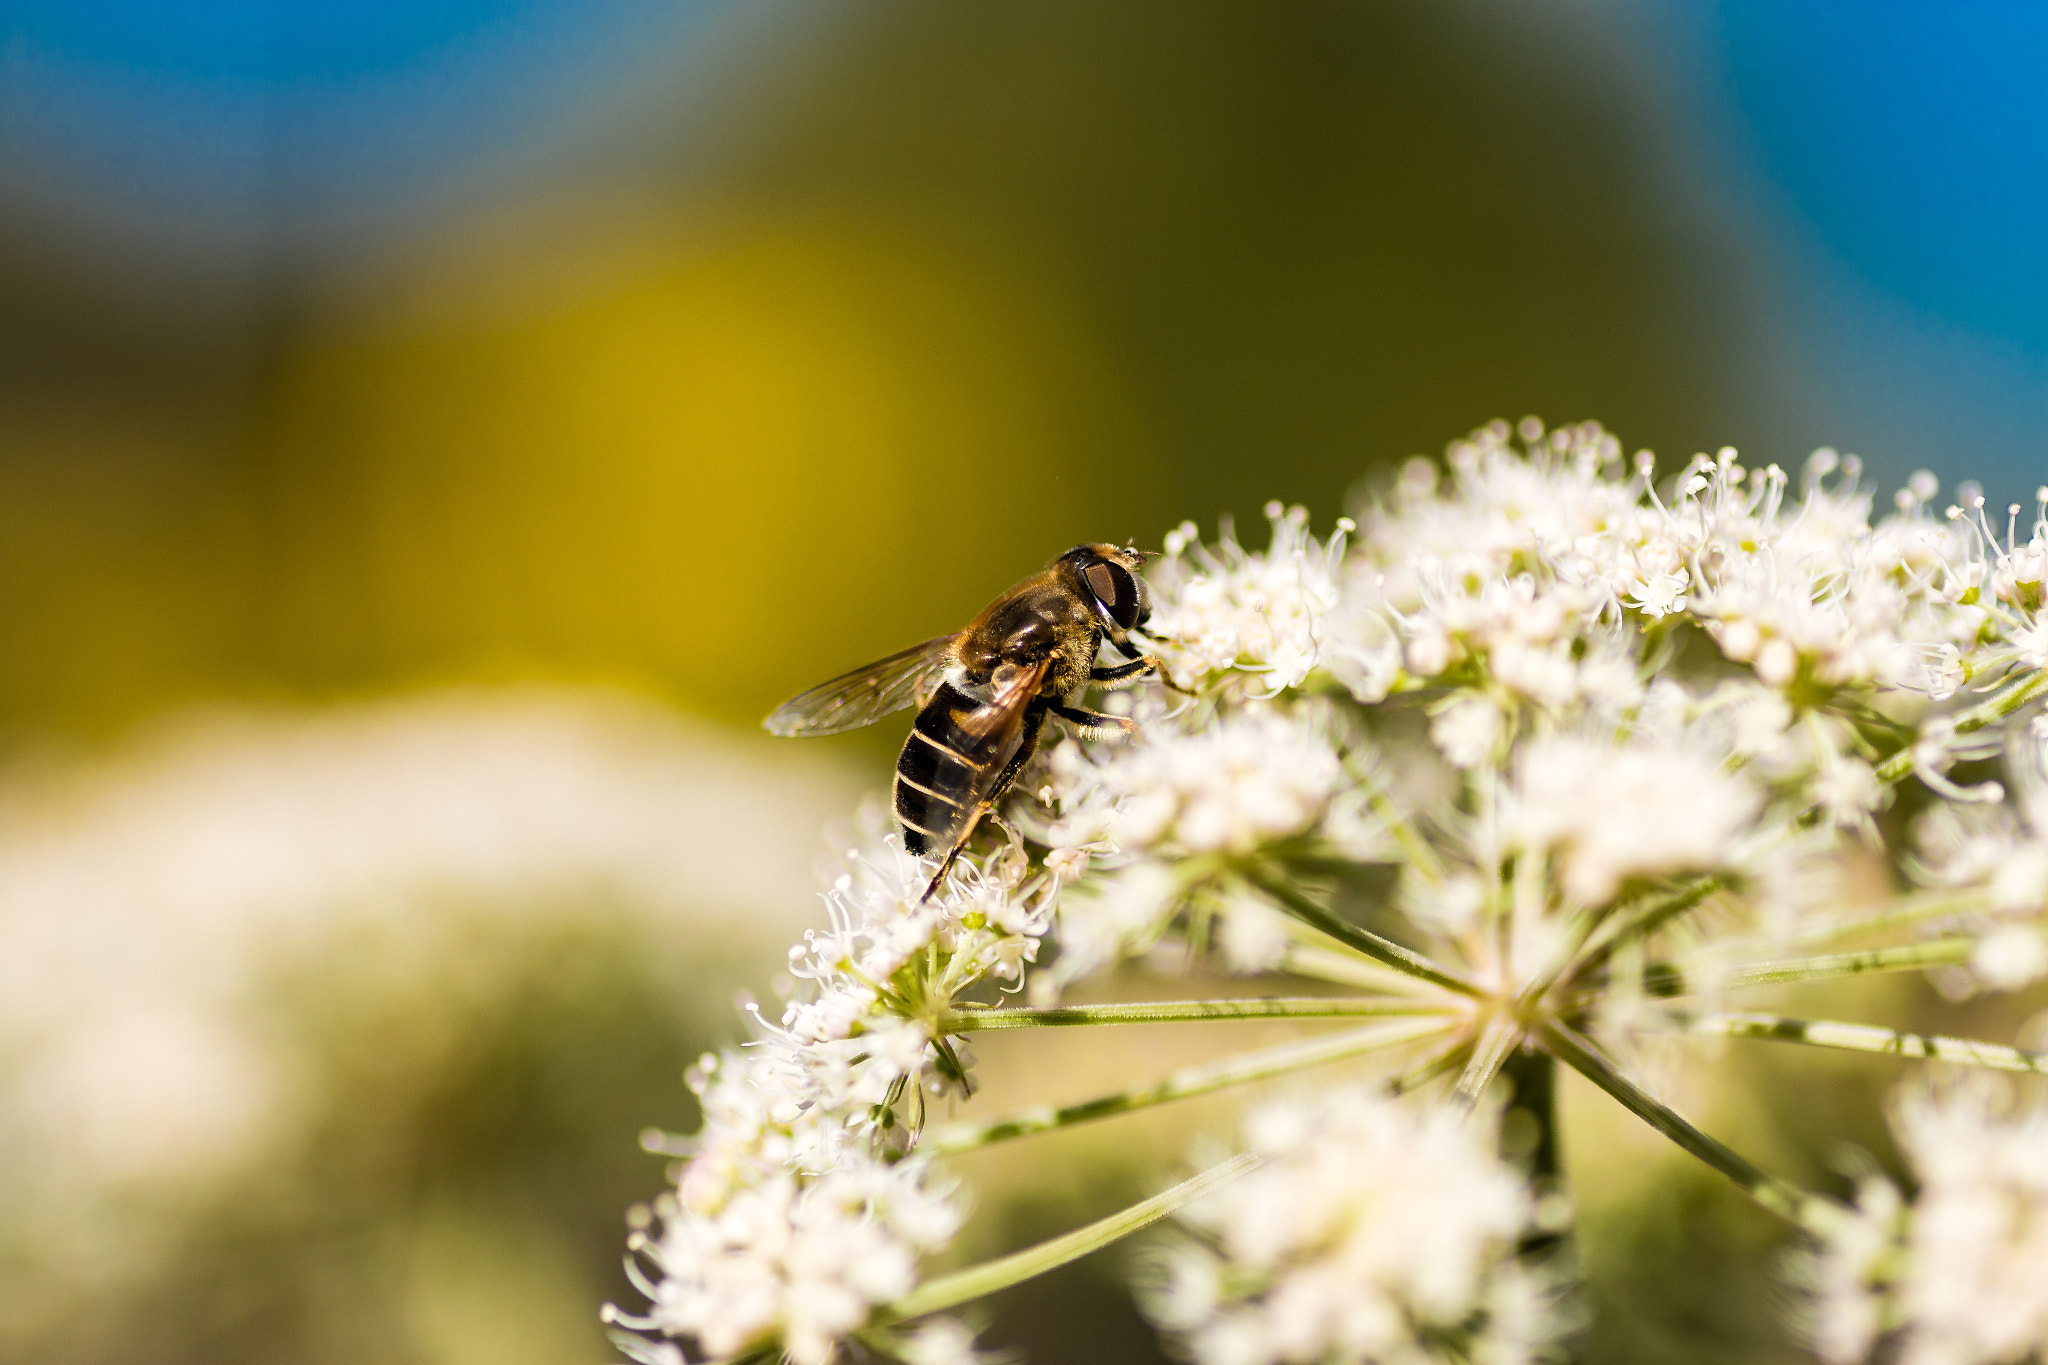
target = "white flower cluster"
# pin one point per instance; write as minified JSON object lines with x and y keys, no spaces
{"x":1373,"y":1231}
{"x":792,"y":1219}
{"x":786,"y":1228}
{"x":1523,"y":564}
{"x":1537,"y":695}
{"x":1252,"y":778}
{"x":1962,"y":1273}
{"x":1137,"y":821}
{"x":1227,"y":609}
{"x":1538,"y":594}
{"x":1618,"y":811}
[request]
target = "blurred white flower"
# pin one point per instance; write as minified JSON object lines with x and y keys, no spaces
{"x":1976,"y":1283}
{"x":1959,"y":1277}
{"x":2020,"y":882}
{"x":157,"y":905}
{"x":1373,"y":1231}
{"x":1615,"y":812}
{"x":1108,"y":917}
{"x":1847,"y":1273}
{"x":1847,"y":790}
{"x":1467,"y":730}
{"x":2010,"y":956}
{"x":940,"y":1341}
{"x":1252,"y":936}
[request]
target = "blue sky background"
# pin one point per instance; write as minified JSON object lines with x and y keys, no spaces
{"x":1889,"y":162}
{"x":209,"y":120}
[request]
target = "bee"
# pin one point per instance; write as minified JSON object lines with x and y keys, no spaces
{"x":983,"y":694}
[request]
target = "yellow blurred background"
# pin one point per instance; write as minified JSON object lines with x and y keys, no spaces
{"x":405,"y":411}
{"x":912,"y":299}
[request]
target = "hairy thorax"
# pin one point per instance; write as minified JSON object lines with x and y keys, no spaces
{"x":1035,"y":623}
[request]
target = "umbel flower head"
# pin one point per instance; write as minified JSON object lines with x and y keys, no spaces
{"x":1543,"y":754}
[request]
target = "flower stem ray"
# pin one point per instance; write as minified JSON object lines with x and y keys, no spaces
{"x":1865,"y":1038}
{"x":1183,"y":1084}
{"x":1906,"y":957}
{"x":1292,"y":900}
{"x":977,"y":1281}
{"x":1182,"y":1011}
{"x":1809,"y":1211}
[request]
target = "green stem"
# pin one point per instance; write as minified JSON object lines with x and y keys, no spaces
{"x":1644,"y":919}
{"x":1899,"y":914}
{"x":1428,"y":1069}
{"x":1415,"y":849}
{"x":1997,"y":707}
{"x":1499,"y":1038}
{"x":1181,"y":1011}
{"x":1352,"y":936}
{"x":1863,"y":1038}
{"x":1809,"y":1211}
{"x":1183,"y":1084}
{"x":1344,"y":969}
{"x":1906,"y":957}
{"x":977,"y":1281}
{"x":1532,"y":1073}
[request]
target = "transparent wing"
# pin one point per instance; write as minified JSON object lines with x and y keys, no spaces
{"x":1012,"y":688}
{"x":988,"y":734}
{"x":985,"y":734}
{"x":865,"y":695}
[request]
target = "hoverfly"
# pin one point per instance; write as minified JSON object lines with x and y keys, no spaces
{"x":983,"y":694}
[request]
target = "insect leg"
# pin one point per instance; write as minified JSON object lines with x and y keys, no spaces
{"x":1027,"y":744}
{"x":1093,"y":724}
{"x":1145,"y":665}
{"x":1121,"y":673}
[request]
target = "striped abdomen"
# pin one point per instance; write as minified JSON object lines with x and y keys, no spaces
{"x":958,"y":750}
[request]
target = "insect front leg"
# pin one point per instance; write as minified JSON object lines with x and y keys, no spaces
{"x":1144,"y":666}
{"x":1122,"y":675}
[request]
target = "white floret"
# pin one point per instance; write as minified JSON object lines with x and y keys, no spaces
{"x":1253,"y":778}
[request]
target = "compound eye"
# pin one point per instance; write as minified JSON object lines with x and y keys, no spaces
{"x":1117,"y":591}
